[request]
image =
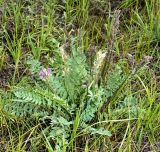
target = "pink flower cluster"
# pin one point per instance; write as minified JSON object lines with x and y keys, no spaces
{"x":45,"y":73}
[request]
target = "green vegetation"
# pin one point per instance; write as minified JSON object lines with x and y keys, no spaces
{"x":79,"y":75}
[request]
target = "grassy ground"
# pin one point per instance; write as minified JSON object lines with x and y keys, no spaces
{"x":103,"y":93}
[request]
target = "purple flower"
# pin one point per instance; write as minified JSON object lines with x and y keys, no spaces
{"x":45,"y":73}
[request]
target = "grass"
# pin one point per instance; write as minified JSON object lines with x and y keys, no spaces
{"x":37,"y":34}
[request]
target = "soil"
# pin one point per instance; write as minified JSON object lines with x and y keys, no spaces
{"x":5,"y":76}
